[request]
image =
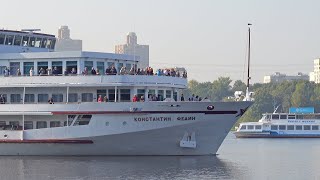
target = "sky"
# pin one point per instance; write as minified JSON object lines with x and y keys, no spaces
{"x":207,"y":37}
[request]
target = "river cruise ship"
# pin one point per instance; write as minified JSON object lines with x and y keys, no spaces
{"x":281,"y":125}
{"x":94,"y":103}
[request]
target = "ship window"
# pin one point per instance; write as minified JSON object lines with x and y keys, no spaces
{"x":43,"y":98}
{"x":274,"y":127}
{"x":28,"y":125}
{"x":14,"y":66}
{"x":110,"y":64}
{"x":9,"y":40}
{"x":290,"y":127}
{"x":14,"y":123}
{"x":101,"y":92}
{"x":119,"y":67}
{"x":315,"y":127}
{"x":44,"y":43}
{"x":128,"y":67}
{"x":88,"y":64}
{"x":306,"y":127}
{"x":29,"y":98}
{"x":317,"y":116}
{"x":151,"y":93}
{"x":283,"y":116}
{"x":100,"y":66}
{"x":17,"y":40}
{"x":58,"y":66}
{"x":41,"y":124}
{"x":125,"y":95}
{"x":72,"y":64}
{"x":32,"y":41}
{"x":2,"y":36}
{"x":250,"y":126}
{"x":38,"y":42}
{"x":258,"y":127}
{"x":168,"y":94}
{"x":25,"y":40}
{"x":2,"y":123}
{"x":282,"y":127}
{"x":160,"y":95}
{"x":175,"y":96}
{"x":15,"y":98}
{"x":48,"y":45}
{"x":111,"y":94}
{"x":299,"y":116}
{"x":53,"y":43}
{"x":268,"y":116}
{"x":44,"y":66}
{"x":243,"y":127}
{"x":298,"y":127}
{"x":86,"y":97}
{"x":57,"y":97}
{"x":140,"y":92}
{"x":82,"y":120}
{"x":26,"y":67}
{"x":73,"y":97}
{"x":275,"y":116}
{"x":54,"y":123}
{"x":291,"y":116}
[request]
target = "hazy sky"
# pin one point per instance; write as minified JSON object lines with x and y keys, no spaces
{"x":207,"y":37}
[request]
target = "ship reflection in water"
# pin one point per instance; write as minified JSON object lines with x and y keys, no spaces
{"x":121,"y":167}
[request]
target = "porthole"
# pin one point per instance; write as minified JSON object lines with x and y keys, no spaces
{"x":210,"y":107}
{"x":124,"y":123}
{"x":107,"y":123}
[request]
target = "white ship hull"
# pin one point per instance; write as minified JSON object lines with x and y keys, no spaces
{"x":141,"y":131}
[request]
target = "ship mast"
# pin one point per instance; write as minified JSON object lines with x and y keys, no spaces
{"x":248,"y":98}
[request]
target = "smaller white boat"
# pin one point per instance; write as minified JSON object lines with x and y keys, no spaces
{"x":282,"y":125}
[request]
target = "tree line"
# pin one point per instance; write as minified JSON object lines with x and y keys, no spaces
{"x":266,"y":96}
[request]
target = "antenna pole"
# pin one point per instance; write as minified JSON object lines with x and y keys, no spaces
{"x":249,"y":45}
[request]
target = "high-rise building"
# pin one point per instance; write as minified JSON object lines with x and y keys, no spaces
{"x":133,"y":48}
{"x":316,"y":70}
{"x":279,"y":78}
{"x":65,"y":43}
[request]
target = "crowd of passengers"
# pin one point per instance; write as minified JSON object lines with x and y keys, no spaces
{"x":109,"y":71}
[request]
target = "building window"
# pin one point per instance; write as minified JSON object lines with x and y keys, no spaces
{"x":73,"y":97}
{"x":28,"y":125}
{"x":100,"y":67}
{"x":54,"y":123}
{"x":15,"y":98}
{"x":58,"y":66}
{"x":42,"y":68}
{"x":26,"y":67}
{"x":17,"y":40}
{"x":57,"y":97}
{"x":70,"y":65}
{"x":86,"y":97}
{"x":29,"y":98}
{"x":41,"y":124}
{"x":125,"y":95}
{"x":14,"y":66}
{"x":111,"y":94}
{"x":43,"y":98}
{"x":88,"y":64}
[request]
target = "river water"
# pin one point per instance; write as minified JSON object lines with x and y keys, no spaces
{"x":237,"y":159}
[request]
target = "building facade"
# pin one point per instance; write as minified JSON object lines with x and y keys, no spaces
{"x":65,"y":43}
{"x":133,"y":48}
{"x":316,"y":70}
{"x":279,"y":78}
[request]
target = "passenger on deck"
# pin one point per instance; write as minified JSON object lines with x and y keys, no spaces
{"x":50,"y":101}
{"x":97,"y":72}
{"x":18,"y":72}
{"x":113,"y":71}
{"x":2,"y":99}
{"x":85,"y":71}
{"x":55,"y":71}
{"x":105,"y":99}
{"x":42,"y":72}
{"x":100,"y":98}
{"x":93,"y":71}
{"x":142,"y":99}
{"x":31,"y":72}
{"x":73,"y":71}
{"x":135,"y":98}
{"x":182,"y":97}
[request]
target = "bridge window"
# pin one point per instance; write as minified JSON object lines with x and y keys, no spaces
{"x":2,"y":37}
{"x":41,"y":124}
{"x":298,"y":127}
{"x":32,"y":42}
{"x":282,"y":127}
{"x":274,"y":127}
{"x":17,"y":40}
{"x":25,"y":40}
{"x":15,"y":98}
{"x":29,"y":98}
{"x":9,"y":40}
{"x":43,"y":98}
{"x":290,"y":127}
{"x":57,"y":97}
{"x":73,"y":97}
{"x":86,"y":97}
{"x":28,"y":125}
{"x":315,"y":127}
{"x":44,"y":43}
{"x":38,"y":42}
{"x":53,"y":43}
